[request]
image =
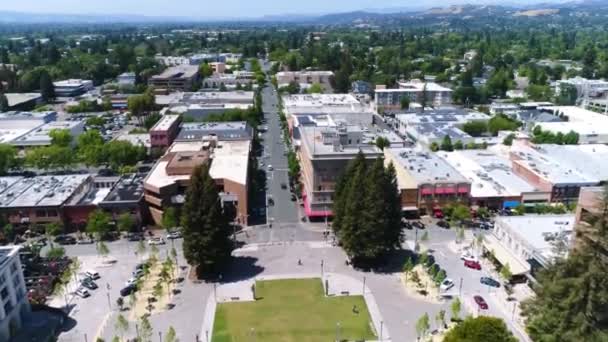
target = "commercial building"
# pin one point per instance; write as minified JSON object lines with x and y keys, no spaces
{"x":584,"y":87}
{"x":40,"y":136}
{"x":13,"y":299}
{"x":591,"y":127}
{"x":43,"y":117}
{"x":426,"y":182}
{"x":390,"y":99}
{"x":127,"y":196}
{"x":528,"y":243}
{"x":23,"y":101}
{"x":305,"y":79}
{"x":164,"y":131}
{"x":200,"y":105}
{"x":552,"y":172}
{"x":176,"y":78}
{"x":229,"y":166}
{"x":223,"y":131}
{"x":229,"y":81}
{"x":201,"y":58}
{"x":324,"y":155}
{"x":39,"y":200}
{"x":322,"y":104}
{"x":142,"y":139}
{"x":72,"y":87}
{"x":493,"y":183}
{"x":126,"y":79}
{"x":362,"y":87}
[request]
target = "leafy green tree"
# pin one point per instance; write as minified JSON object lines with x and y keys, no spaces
{"x":475,"y":128}
{"x":434,"y":147}
{"x":125,"y":222}
{"x":8,"y":158}
{"x":170,"y":336}
{"x":4,"y":106}
{"x":455,"y":308}
{"x":508,"y":140}
{"x":505,"y":272}
{"x":102,"y":249}
{"x":458,"y":145}
{"x":480,"y":329}
{"x":382,"y":142}
{"x":501,"y":122}
{"x":405,"y":102}
{"x":205,"y":70}
{"x":446,"y":144}
{"x":90,"y":148}
{"x":98,"y":224}
{"x":440,"y":319}
{"x":206,"y":229}
{"x":55,"y":253}
{"x":315,"y":88}
{"x":423,"y":325}
{"x":408,"y":266}
{"x":121,"y":325}
{"x":60,"y":137}
{"x":145,"y":330}
{"x":170,"y":219}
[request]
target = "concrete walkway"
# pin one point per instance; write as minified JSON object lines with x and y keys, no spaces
{"x":339,"y":285}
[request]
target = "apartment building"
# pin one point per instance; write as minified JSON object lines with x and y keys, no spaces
{"x":390,"y":99}
{"x":13,"y":294}
{"x":426,"y":182}
{"x":176,"y":78}
{"x":305,"y":78}
{"x":324,"y":155}
{"x":164,"y":131}
{"x":166,"y":184}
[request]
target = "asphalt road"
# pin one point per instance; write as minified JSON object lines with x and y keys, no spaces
{"x":284,"y":210}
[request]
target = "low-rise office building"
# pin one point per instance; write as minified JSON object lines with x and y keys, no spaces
{"x":591,"y":127}
{"x":72,"y":87}
{"x":23,"y":101}
{"x":305,"y":79}
{"x":164,"y":131}
{"x":583,"y":86}
{"x":200,"y":105}
{"x":493,"y":183}
{"x":127,"y":196}
{"x":426,"y":182}
{"x":136,"y":139}
{"x":324,"y":154}
{"x":40,"y":136}
{"x":14,"y":306}
{"x":166,"y":184}
{"x":223,"y":131}
{"x":322,"y":104}
{"x":390,"y":99}
{"x":176,"y":78}
{"x":528,"y":243}
{"x":229,"y":81}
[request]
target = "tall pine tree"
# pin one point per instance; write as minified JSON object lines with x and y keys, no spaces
{"x":206,"y":229}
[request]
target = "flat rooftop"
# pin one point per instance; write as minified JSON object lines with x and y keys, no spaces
{"x":324,"y":142}
{"x":42,"y":191}
{"x":322,"y":103}
{"x":588,"y":160}
{"x":17,"y":115}
{"x":15,"y":99}
{"x":130,"y":188}
{"x":165,"y":123}
{"x":444,"y":115}
{"x":417,"y":85}
{"x":72,"y":83}
{"x":40,"y":135}
{"x":540,"y":230}
{"x":238,"y":130}
{"x":178,"y":71}
{"x":489,"y":173}
{"x":230,"y":160}
{"x":548,"y":168}
{"x":10,"y":130}
{"x":425,"y":167}
{"x":136,"y":139}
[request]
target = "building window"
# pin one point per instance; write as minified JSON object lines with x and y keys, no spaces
{"x":8,"y":307}
{"x":14,"y":267}
{"x":4,"y":293}
{"x":16,"y":281}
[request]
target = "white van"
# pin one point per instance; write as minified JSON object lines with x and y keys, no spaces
{"x":92,"y":274}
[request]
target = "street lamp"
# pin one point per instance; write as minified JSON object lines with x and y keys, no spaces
{"x":338,"y":331}
{"x":321,"y":268}
{"x":381,"y":328}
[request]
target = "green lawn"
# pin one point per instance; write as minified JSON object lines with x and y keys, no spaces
{"x":292,"y":310}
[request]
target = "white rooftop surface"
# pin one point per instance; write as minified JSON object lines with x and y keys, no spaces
{"x":136,"y":138}
{"x":590,"y":160}
{"x":320,"y":100}
{"x":41,"y":191}
{"x":534,"y":229}
{"x":72,"y":83}
{"x":18,"y":98}
{"x":41,"y":133}
{"x":417,"y":85}
{"x":304,"y":73}
{"x":159,"y":178}
{"x":550,"y":169}
{"x":490,"y":174}
{"x":230,"y":161}
{"x":187,"y":146}
{"x":425,"y":167}
{"x":165,"y":122}
{"x":13,"y":129}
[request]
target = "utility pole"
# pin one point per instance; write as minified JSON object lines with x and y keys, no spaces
{"x":363,"y":286}
{"x":460,"y":288}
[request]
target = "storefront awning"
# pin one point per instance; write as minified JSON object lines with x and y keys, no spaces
{"x":504,"y":256}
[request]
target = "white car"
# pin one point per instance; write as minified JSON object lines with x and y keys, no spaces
{"x":446,"y":284}
{"x":131,"y":281}
{"x":156,"y":241}
{"x":174,"y":235}
{"x":468,"y":256}
{"x":82,"y":292}
{"x":270,"y":168}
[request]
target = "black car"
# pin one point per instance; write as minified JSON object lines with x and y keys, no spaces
{"x":89,"y":284}
{"x":65,"y":240}
{"x":443,"y":224}
{"x":407,"y":225}
{"x":489,"y":281}
{"x":127,"y":290}
{"x":418,"y":225}
{"x":135,"y":237}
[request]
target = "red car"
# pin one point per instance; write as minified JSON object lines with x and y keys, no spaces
{"x":481,"y":302}
{"x":472,"y":264}
{"x":438,"y":213}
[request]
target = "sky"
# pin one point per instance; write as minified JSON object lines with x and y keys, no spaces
{"x":212,"y":8}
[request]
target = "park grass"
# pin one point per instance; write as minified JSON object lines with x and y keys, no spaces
{"x":292,"y":310}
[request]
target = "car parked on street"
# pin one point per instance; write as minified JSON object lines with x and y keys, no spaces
{"x":446,"y":284}
{"x":472,"y":264}
{"x":127,"y":290}
{"x":156,"y":241}
{"x":88,"y":283}
{"x":489,"y":281}
{"x":481,"y":303}
{"x":176,"y":234}
{"x":82,"y":292}
{"x":443,"y":224}
{"x":468,"y":256}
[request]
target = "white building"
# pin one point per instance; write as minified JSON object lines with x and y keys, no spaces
{"x":126,"y":79}
{"x":591,"y":127}
{"x":435,"y":94}
{"x":12,"y":292}
{"x":583,"y":86}
{"x":527,"y":243}
{"x":72,"y":87}
{"x":40,"y":136}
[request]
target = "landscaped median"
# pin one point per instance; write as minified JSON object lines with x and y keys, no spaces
{"x":293,"y":310}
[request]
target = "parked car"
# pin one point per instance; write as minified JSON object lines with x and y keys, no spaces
{"x":407,"y":225}
{"x":92,"y":274}
{"x":489,"y":281}
{"x":418,"y":224}
{"x":85,"y":241}
{"x":65,"y":240}
{"x":131,"y":281}
{"x":472,"y":264}
{"x":127,"y":290}
{"x":446,"y":284}
{"x":138,"y":272}
{"x":468,"y":256}
{"x":443,"y":224}
{"x":135,"y":236}
{"x":270,"y":168}
{"x":82,"y":292}
{"x":176,"y":234}
{"x":481,"y":302}
{"x":156,"y":241}
{"x":88,"y":283}
{"x":438,"y":213}
{"x":283,"y":185}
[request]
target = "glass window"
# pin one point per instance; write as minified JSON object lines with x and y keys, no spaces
{"x":4,"y":293}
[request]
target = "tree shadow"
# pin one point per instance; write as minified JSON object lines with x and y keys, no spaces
{"x":390,"y":263}
{"x":241,"y":268}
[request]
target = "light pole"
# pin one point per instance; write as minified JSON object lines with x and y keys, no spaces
{"x":321,"y":268}
{"x":85,"y":338}
{"x":513,"y":313}
{"x":381,"y":328}
{"x":160,"y":336}
{"x":363,"y":286}
{"x":338,"y":332}
{"x":207,"y":335}
{"x":215,"y":292}
{"x":460,"y":288}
